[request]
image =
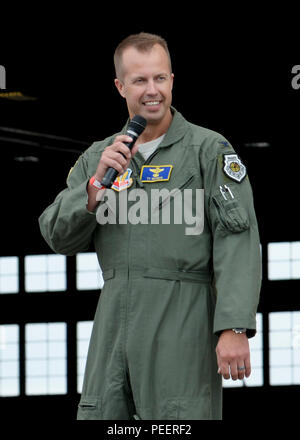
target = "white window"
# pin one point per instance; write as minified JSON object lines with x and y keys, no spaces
{"x":256,"y":358}
{"x":84,"y":330}
{"x":46,"y":358}
{"x":284,"y":345}
{"x":9,"y":360}
{"x":45,"y":273}
{"x":284,"y":260}
{"x":9,"y":274}
{"x":89,"y":274}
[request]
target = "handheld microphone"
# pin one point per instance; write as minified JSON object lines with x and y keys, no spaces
{"x":135,"y":127}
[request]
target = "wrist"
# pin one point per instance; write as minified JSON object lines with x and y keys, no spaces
{"x":96,"y":183}
{"x":239,"y":330}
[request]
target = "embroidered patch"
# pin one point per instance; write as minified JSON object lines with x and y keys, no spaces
{"x":155,"y":173}
{"x":234,"y":167}
{"x":224,"y":143}
{"x":123,"y":182}
{"x":71,"y":169}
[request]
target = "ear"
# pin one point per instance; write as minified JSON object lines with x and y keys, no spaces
{"x":120,"y":87}
{"x":172,"y":79}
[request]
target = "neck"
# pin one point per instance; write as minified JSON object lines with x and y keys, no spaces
{"x":154,"y":131}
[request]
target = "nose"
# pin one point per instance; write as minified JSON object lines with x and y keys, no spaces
{"x":151,"y":87}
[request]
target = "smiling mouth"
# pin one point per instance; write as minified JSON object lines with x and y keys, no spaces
{"x":151,"y":103}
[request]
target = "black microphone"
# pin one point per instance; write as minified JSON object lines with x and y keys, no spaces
{"x":135,"y":127}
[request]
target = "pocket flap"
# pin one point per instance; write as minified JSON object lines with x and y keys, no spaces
{"x":108,"y":274}
{"x":230,"y":212}
{"x":88,"y":403}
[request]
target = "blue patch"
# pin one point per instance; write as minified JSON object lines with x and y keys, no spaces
{"x":155,"y":173}
{"x":225,"y":143}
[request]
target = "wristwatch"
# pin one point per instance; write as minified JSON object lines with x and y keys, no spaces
{"x":239,"y":331}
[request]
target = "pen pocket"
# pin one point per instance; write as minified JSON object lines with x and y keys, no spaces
{"x":231,"y":216}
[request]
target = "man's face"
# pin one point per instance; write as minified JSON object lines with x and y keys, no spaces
{"x":146,"y":83}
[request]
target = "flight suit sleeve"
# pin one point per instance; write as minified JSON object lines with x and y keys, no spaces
{"x":67,"y":225}
{"x":236,"y":244}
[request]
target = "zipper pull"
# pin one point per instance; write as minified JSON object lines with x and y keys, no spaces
{"x":138,"y":181}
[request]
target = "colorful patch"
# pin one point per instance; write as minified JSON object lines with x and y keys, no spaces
{"x":123,"y":182}
{"x":155,"y":173}
{"x":234,"y":167}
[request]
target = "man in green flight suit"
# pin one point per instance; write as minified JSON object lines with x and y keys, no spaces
{"x":178,"y":304}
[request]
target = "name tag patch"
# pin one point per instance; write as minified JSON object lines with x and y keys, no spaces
{"x":155,"y":173}
{"x":124,"y":181}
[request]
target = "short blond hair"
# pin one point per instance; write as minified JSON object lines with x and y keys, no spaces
{"x":143,"y":42}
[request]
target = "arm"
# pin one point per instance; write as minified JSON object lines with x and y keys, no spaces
{"x":66,"y":224}
{"x":69,"y":222}
{"x":236,"y":260}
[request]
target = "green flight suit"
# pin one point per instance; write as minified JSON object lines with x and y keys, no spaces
{"x":167,"y":295}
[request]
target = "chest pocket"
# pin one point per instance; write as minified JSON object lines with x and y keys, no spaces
{"x":230,"y":214}
{"x":171,"y":193}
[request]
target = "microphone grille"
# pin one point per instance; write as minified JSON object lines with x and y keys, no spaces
{"x":138,"y":124}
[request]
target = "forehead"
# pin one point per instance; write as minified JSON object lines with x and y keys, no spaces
{"x":138,"y":62}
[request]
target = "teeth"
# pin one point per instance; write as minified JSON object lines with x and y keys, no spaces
{"x":152,"y":103}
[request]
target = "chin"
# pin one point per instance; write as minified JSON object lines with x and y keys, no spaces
{"x":154,"y":117}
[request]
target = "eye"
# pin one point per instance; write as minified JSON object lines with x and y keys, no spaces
{"x":161,"y":78}
{"x":138,"y":81}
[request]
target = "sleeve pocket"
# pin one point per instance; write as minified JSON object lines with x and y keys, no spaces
{"x":230,"y":215}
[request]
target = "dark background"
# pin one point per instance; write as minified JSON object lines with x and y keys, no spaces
{"x":232,"y":75}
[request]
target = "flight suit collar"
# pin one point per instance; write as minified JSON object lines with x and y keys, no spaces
{"x":175,"y":132}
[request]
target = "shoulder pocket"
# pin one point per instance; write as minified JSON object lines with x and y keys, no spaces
{"x":230,"y":214}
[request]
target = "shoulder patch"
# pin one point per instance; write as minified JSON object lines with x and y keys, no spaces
{"x":72,"y":168}
{"x":234,"y":167}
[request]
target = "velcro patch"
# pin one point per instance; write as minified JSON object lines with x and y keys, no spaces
{"x":123,"y":182}
{"x":155,"y":173}
{"x":234,"y":167}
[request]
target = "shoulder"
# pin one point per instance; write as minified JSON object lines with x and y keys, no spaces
{"x":209,"y":142}
{"x":87,"y":159}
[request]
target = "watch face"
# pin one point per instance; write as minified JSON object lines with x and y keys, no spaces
{"x":239,"y":330}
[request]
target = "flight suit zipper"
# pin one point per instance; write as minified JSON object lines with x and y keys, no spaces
{"x":137,"y":169}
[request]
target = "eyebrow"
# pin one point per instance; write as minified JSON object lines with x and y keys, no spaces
{"x":143,"y":76}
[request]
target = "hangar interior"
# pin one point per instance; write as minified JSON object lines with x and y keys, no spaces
{"x":56,"y":102}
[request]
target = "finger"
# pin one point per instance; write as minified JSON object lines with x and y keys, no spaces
{"x":247,"y":367}
{"x":134,"y":150}
{"x":225,"y":370}
{"x":241,"y":371}
{"x":121,"y":148}
{"x":123,"y":138}
{"x":233,"y":370}
{"x":123,"y":141}
{"x":113,"y":163}
{"x":115,"y":156}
